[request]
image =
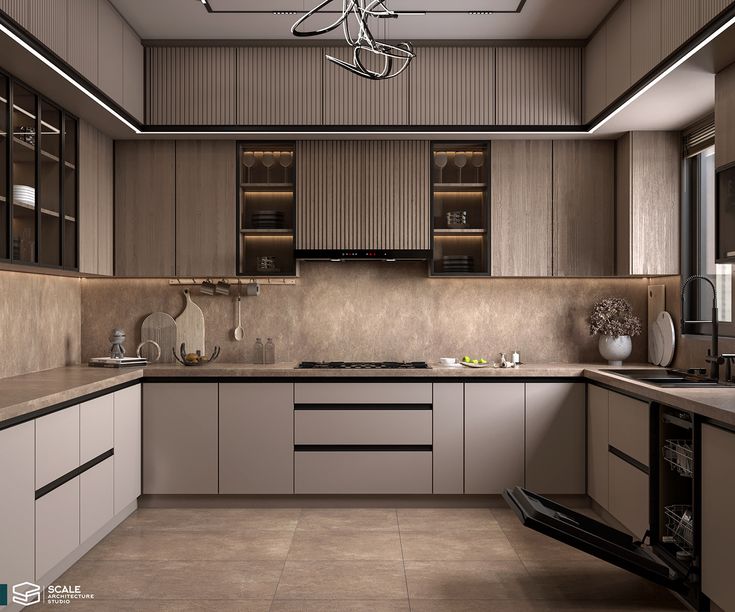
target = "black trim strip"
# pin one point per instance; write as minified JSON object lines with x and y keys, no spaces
{"x":361,"y":254}
{"x":275,"y":10}
{"x":388,"y":407}
{"x":497,"y":380}
{"x":373,"y":448}
{"x":629,"y":460}
{"x":55,"y":484}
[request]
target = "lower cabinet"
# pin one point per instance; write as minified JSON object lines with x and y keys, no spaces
{"x":256,"y":423}
{"x":494,"y":437}
{"x":718,"y":501}
{"x":629,"y":495}
{"x":57,"y":526}
{"x":448,"y":438}
{"x":96,"y":503}
{"x":180,"y":438}
{"x":17,"y":503}
{"x":555,"y":438}
{"x":127,"y":458}
{"x":597,"y":445}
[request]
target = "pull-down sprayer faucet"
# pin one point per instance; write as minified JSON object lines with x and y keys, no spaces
{"x":714,"y":359}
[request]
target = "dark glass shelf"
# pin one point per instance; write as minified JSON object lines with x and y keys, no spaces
{"x":459,"y":186}
{"x":460,"y":232}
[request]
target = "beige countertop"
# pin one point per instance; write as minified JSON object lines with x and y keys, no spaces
{"x":22,"y":395}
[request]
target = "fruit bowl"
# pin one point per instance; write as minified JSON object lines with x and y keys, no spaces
{"x":195,"y":359}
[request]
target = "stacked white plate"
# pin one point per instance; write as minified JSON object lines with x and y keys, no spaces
{"x":23,"y":194}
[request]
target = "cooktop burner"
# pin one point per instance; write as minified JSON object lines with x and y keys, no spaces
{"x":364,"y":365}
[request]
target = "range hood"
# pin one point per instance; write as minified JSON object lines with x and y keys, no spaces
{"x":363,"y":200}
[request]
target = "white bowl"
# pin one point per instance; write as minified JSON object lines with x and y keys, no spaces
{"x":447,"y":361}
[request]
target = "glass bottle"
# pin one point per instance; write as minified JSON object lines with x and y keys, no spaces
{"x":270,"y":351}
{"x":259,"y":352}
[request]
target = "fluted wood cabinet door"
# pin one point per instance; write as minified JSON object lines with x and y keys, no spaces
{"x":618,"y":51}
{"x":47,"y":21}
{"x":191,"y":85}
{"x":17,"y":9}
{"x":81,"y":37}
{"x":110,"y":51}
{"x":521,"y":192}
{"x":145,"y":188}
{"x":363,"y":195}
{"x":279,"y":85}
{"x":352,"y":100}
{"x":105,"y":205}
{"x":679,"y":22}
{"x":584,"y":207}
{"x":645,"y":37}
{"x":133,"y":67}
{"x":595,"y":74}
{"x":537,"y":86}
{"x":452,"y":86}
{"x":205,"y":208}
{"x":709,"y":9}
{"x":88,"y":190}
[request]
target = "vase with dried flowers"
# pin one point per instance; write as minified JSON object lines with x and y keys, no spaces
{"x":614,"y":321}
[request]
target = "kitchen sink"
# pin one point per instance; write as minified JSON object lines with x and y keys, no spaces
{"x":670,"y":378}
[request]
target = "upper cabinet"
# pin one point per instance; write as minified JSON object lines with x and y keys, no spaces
{"x":595,"y":74}
{"x":110,"y":67}
{"x":645,"y":37}
{"x":82,"y":37}
{"x":47,"y":21}
{"x":132,"y":73}
{"x":617,"y":42}
{"x":725,"y":116}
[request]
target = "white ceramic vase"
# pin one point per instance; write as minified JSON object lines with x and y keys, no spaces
{"x":615,"y":349}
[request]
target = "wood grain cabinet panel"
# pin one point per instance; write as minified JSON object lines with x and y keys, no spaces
{"x":145,"y":188}
{"x":88,"y":198}
{"x":191,"y":85}
{"x":105,"y":206}
{"x":709,"y":9}
{"x":618,"y":51}
{"x":597,"y":444}
{"x":494,"y":437}
{"x":448,"y":440}
{"x":279,"y":85}
{"x":584,"y":208}
{"x":521,"y":192}
{"x":648,"y":195}
{"x":17,"y":503}
{"x":256,"y":438}
{"x":453,"y":86}
{"x":645,"y":37}
{"x":47,"y":21}
{"x":110,"y":51}
{"x":725,"y":116}
{"x":180,"y":438}
{"x":595,"y":74}
{"x":555,"y":438}
{"x":537,"y":86}
{"x":132,"y":75}
{"x":81,"y":39}
{"x":17,"y":9}
{"x":357,"y":101}
{"x":718,"y":499}
{"x":679,"y":22}
{"x":205,"y":208}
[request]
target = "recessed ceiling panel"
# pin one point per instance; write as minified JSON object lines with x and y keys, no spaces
{"x":443,"y":6}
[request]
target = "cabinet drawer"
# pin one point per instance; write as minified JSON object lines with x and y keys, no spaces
{"x":629,"y":426}
{"x":362,"y":426}
{"x":95,"y":427}
{"x":96,"y":503}
{"x":57,"y":526}
{"x":356,"y":472}
{"x":363,"y":393}
{"x":629,"y":495}
{"x":57,"y":445}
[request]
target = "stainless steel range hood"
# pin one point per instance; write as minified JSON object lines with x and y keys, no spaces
{"x":363,"y":200}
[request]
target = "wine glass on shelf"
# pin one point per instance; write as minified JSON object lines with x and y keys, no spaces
{"x":268,"y":161}
{"x":478,"y":161}
{"x":285,"y":159}
{"x":248,"y":160}
{"x":460,"y":160}
{"x":440,"y":161}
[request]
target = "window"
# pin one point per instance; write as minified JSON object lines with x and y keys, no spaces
{"x":698,"y":247}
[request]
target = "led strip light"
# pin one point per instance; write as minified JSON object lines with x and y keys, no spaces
{"x":5,"y":30}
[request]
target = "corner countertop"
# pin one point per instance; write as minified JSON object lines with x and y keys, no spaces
{"x":22,"y":396}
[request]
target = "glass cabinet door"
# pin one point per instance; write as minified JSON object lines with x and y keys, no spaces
{"x":25,"y":140}
{"x":49,"y":192}
{"x":70,"y":191}
{"x":4,"y":182}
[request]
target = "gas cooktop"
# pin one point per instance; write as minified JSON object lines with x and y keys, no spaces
{"x":364,"y":365}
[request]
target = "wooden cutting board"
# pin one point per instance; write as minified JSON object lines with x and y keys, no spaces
{"x":190,"y":326}
{"x":161,"y":328}
{"x":656,"y":305}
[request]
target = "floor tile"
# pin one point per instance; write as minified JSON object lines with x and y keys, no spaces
{"x":182,"y":580}
{"x":461,"y":519}
{"x":214,"y":519}
{"x":480,"y":545}
{"x":438,"y":605}
{"x":345,"y":545}
{"x":323,"y":605}
{"x":342,"y":580}
{"x":364,"y":519}
{"x":156,"y":545}
{"x":143,"y":605}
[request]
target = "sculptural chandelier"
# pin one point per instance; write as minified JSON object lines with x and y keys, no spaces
{"x":392,"y":59}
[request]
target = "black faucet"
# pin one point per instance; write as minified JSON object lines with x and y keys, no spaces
{"x":714,"y":359}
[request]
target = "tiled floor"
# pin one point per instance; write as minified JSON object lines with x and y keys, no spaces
{"x":347,"y":560}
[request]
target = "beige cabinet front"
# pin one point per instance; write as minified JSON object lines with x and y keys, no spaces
{"x":448,"y":438}
{"x":127,"y":457}
{"x":95,"y":427}
{"x":597,"y":444}
{"x":96,"y":503}
{"x":57,"y":526}
{"x":180,"y":438}
{"x":256,"y":438}
{"x":555,"y":437}
{"x":493,"y":426}
{"x":57,"y":445}
{"x":629,"y":427}
{"x":629,"y":494}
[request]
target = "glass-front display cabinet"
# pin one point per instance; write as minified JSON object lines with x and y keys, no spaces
{"x":38,"y":180}
{"x":460,"y":207}
{"x":267,"y":209}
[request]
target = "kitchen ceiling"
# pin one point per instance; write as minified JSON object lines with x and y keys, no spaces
{"x":537,"y":19}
